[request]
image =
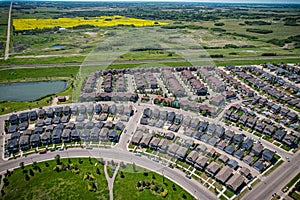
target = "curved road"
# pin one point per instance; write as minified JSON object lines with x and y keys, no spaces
{"x":177,"y":176}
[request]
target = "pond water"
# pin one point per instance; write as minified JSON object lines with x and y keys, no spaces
{"x":58,"y":47}
{"x":30,"y":90}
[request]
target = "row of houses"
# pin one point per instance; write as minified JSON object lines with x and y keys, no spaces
{"x":172,"y":83}
{"x":209,"y":76}
{"x":262,"y":126}
{"x":274,"y":80}
{"x":54,"y":134}
{"x":235,"y":83}
{"x":288,"y":71}
{"x":259,"y":84}
{"x":275,"y":108}
{"x":120,"y":83}
{"x":215,"y":135}
{"x":143,"y":138}
{"x":196,"y":85}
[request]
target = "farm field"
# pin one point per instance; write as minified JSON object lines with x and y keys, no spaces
{"x":31,"y":24}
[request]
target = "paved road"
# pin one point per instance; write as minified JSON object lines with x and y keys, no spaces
{"x":6,"y":53}
{"x":177,"y":176}
{"x":276,"y":180}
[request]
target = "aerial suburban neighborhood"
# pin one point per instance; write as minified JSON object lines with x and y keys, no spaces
{"x":141,"y":100}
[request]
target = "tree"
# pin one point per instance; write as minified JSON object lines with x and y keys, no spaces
{"x":153,"y":176}
{"x":27,"y":178}
{"x":98,"y":171}
{"x":5,"y":181}
{"x":21,"y":165}
{"x":57,"y":159}
{"x":31,"y":172}
{"x":122,"y":175}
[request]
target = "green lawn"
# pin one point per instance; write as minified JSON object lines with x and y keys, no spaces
{"x":125,"y":188}
{"x":228,"y":193}
{"x":49,"y":184}
{"x":293,"y":181}
{"x":273,"y":168}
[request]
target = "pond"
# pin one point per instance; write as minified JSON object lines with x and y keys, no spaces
{"x":58,"y":47}
{"x":30,"y":91}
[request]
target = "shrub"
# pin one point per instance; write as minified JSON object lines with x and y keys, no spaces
{"x":216,"y":56}
{"x":164,"y":193}
{"x":219,"y":24}
{"x":227,"y":46}
{"x":260,"y":31}
{"x":257,"y":23}
{"x":269,"y":54}
{"x":218,"y":29}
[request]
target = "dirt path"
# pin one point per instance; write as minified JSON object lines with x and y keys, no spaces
{"x":111,"y":181}
{"x":6,"y":53}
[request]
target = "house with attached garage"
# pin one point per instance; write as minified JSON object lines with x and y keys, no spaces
{"x":213,"y":168}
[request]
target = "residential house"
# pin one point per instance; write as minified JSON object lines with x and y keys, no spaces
{"x":24,"y":142}
{"x":181,"y":153}
{"x":230,"y":149}
{"x":239,"y":154}
{"x":228,"y":134}
{"x":103,"y":134}
{"x":163,"y":145}
{"x":66,"y":135}
{"x":192,"y":157}
{"x":213,"y":168}
{"x":246,"y":172}
{"x":279,"y":134}
{"x":257,"y":149}
{"x":46,"y":138}
{"x":12,"y":146}
{"x":269,"y":130}
{"x":95,"y":134}
{"x":259,"y":165}
{"x":154,"y":143}
{"x":224,"y":174}
{"x":201,"y":162}
{"x":235,"y":182}
{"x":238,"y":138}
{"x":233,"y":164}
{"x":223,"y":158}
{"x":56,"y":136}
{"x":203,"y":126}
{"x":247,"y":144}
{"x":211,"y":152}
{"x":289,"y":139}
{"x":75,"y":135}
{"x":169,"y":135}
{"x":172,"y":149}
{"x":113,"y":135}
{"x":248,"y":160}
{"x":268,"y":155}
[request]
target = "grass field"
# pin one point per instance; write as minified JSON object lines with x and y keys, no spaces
{"x":49,"y":184}
{"x":126,"y":187}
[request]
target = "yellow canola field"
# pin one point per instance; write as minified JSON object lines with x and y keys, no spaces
{"x":30,"y":24}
